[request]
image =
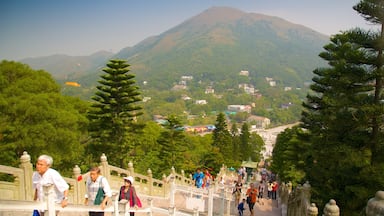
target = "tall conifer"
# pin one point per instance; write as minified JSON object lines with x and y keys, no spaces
{"x":113,"y":114}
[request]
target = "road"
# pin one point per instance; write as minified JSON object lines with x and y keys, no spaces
{"x":269,"y":136}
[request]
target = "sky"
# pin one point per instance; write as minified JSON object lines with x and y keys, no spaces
{"x":35,"y":28}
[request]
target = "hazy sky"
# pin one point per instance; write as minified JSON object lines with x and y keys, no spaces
{"x":31,"y":28}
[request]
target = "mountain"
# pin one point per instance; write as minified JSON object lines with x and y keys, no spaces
{"x":221,"y":41}
{"x":212,"y":46}
{"x":69,"y":67}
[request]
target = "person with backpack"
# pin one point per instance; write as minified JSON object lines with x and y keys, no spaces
{"x":95,"y":184}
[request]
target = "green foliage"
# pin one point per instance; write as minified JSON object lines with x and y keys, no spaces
{"x":114,"y":113}
{"x":344,"y":117}
{"x":222,"y":138}
{"x":36,"y":118}
{"x":172,"y":144}
{"x":291,"y":154}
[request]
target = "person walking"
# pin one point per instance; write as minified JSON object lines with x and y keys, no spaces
{"x":45,"y":175}
{"x":241,"y":208}
{"x":95,"y":182}
{"x":128,"y":194}
{"x":270,"y":189}
{"x":251,"y":197}
{"x":261,"y":193}
{"x":275,"y":187}
{"x":237,"y":191}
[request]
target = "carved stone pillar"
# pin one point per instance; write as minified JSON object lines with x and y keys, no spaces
{"x":331,"y":209}
{"x":26,"y":191}
{"x":312,"y":210}
{"x":375,"y":205}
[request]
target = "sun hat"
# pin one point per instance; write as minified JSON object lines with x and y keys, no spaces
{"x":129,"y":178}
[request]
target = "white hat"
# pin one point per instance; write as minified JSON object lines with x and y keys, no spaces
{"x":129,"y":178}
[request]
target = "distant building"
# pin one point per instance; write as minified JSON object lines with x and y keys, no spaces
{"x":201,"y":102}
{"x":186,"y":77}
{"x":258,"y":122}
{"x":248,"y":88}
{"x":287,"y":88}
{"x":239,"y":108}
{"x":286,"y":106}
{"x":272,"y":83}
{"x":185,"y":97}
{"x":179,"y":87}
{"x":209,"y":90}
{"x":244,"y":73}
{"x":145,"y":99}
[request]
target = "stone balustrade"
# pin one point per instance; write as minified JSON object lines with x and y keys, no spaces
{"x":21,"y":187}
{"x":165,"y":192}
{"x":297,"y":202}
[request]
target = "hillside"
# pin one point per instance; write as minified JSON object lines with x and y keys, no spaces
{"x":216,"y":44}
{"x":64,"y":67}
{"x":212,"y":46}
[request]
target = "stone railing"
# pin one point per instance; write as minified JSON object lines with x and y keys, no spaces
{"x":21,"y":187}
{"x":297,"y":202}
{"x":171,"y":192}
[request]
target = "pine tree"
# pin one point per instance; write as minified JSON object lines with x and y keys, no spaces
{"x":344,"y":116}
{"x":245,"y":137}
{"x":172,"y":144}
{"x":113,"y":114}
{"x":222,"y":138}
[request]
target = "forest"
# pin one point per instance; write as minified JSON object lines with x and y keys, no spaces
{"x":38,"y":119}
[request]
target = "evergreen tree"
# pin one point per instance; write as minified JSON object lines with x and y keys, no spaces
{"x":172,"y":144}
{"x":222,"y":138}
{"x":245,"y":148}
{"x":290,"y":155}
{"x":372,"y":45}
{"x":236,"y":143}
{"x":344,"y":116}
{"x":113,"y":117}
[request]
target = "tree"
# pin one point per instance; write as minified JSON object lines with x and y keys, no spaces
{"x":114,"y":112}
{"x":344,"y":116}
{"x":36,"y":118}
{"x":222,"y":138}
{"x":172,"y":144}
{"x":290,"y":155}
{"x":245,"y":148}
{"x":237,"y":154}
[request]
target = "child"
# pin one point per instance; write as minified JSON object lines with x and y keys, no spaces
{"x":241,"y":208}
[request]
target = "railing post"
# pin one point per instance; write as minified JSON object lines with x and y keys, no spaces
{"x":196,"y":212}
{"x":172,"y":192}
{"x":131,"y":169}
{"x":331,"y":209}
{"x":375,"y":205}
{"x":150,"y":182}
{"x":150,"y":204}
{"x":312,"y":210}
{"x":78,"y":189}
{"x":210,"y":201}
{"x":116,"y":205}
{"x":49,"y":198}
{"x":222,"y":201}
{"x":105,"y":171}
{"x":26,"y":180}
{"x":228,"y":207}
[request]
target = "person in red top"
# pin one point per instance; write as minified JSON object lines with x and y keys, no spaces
{"x":251,"y":197}
{"x":275,"y":187}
